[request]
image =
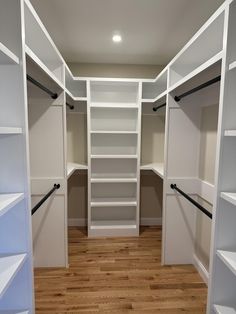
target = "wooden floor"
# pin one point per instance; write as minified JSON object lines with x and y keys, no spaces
{"x":119,"y":275}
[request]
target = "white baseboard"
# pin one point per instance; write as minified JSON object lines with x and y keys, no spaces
{"x":82,"y":222}
{"x":201,"y":269}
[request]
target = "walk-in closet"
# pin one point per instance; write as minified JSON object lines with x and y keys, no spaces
{"x":117,"y":156}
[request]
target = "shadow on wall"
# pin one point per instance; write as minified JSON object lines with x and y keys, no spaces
{"x":151,"y":194}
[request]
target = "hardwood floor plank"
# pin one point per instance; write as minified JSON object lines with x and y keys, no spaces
{"x":118,"y":275}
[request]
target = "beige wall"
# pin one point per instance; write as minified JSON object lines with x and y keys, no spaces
{"x":209,"y":122}
{"x":115,"y":70}
{"x":153,"y":136}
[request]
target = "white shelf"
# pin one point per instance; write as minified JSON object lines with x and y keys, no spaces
{"x":114,"y":156}
{"x":157,"y":168}
{"x":113,"y":180}
{"x":6,"y":56}
{"x":7,"y":130}
{"x":42,"y":66}
{"x":230,"y":133}
{"x":230,"y":197}
{"x":221,"y":309}
{"x":7,"y":201}
{"x":72,"y":167}
{"x":152,"y":100}
{"x":113,"y":132}
{"x":106,"y":202}
{"x":113,"y":224}
{"x":232,"y":65}
{"x":9,"y":266}
{"x":229,"y":258}
{"x":113,"y":105}
{"x":198,"y":70}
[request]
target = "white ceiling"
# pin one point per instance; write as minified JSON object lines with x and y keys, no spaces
{"x":153,"y":31}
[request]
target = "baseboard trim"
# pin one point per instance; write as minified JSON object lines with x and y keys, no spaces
{"x":201,"y":269}
{"x":82,"y":222}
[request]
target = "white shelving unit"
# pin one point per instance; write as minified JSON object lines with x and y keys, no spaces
{"x":223,"y":264}
{"x":113,"y":163}
{"x":16,"y":275}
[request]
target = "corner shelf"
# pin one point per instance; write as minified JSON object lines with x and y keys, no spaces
{"x":72,"y":167}
{"x":221,"y":309}
{"x":7,"y":201}
{"x":6,"y":56}
{"x":9,"y":266}
{"x":9,"y":130}
{"x":229,"y":258}
{"x":230,"y":197}
{"x":157,"y":168}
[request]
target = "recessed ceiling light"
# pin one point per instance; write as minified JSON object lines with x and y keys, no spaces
{"x":117,"y":38}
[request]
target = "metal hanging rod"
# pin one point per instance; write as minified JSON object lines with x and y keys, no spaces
{"x":194,"y":90}
{"x":36,"y":207}
{"x":70,"y":106}
{"x":158,"y":107}
{"x":39,"y":85}
{"x":191,"y":200}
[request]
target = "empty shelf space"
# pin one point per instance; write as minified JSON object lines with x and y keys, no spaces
{"x":104,"y":202}
{"x":221,"y":309}
{"x":7,"y":201}
{"x":8,"y":130}
{"x":230,"y":133}
{"x":229,"y":258}
{"x":31,"y":55}
{"x":71,"y":167}
{"x":113,"y":224}
{"x":230,"y":197}
{"x":114,"y":156}
{"x":113,"y":105}
{"x":6,"y":56}
{"x":202,"y":68}
{"x":157,"y":98}
{"x":113,"y":180}
{"x":9,"y":266}
{"x":113,"y":132}
{"x":157,"y":168}
{"x":232,"y":65}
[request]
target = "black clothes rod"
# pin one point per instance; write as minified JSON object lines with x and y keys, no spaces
{"x":195,"y":89}
{"x":70,"y":106}
{"x":204,"y":210}
{"x":39,"y":85}
{"x":36,"y":207}
{"x":158,"y":107}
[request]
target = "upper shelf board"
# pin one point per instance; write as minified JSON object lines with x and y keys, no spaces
{"x":72,"y":167}
{"x":7,"y":201}
{"x":157,"y":168}
{"x":6,"y":56}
